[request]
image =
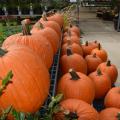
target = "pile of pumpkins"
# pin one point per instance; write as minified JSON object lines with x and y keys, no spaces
{"x":87,"y":75}
{"x":29,"y":55}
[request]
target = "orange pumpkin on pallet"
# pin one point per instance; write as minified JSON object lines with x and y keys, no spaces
{"x":57,"y":17}
{"x":110,"y":69}
{"x":76,"y":110}
{"x":76,"y":85}
{"x":100,"y":52}
{"x":110,"y":114}
{"x":47,"y":32}
{"x":30,"y":83}
{"x":73,"y":39}
{"x":88,"y":47}
{"x":37,"y":43}
{"x":74,"y":29}
{"x":73,"y":60}
{"x":102,"y":83}
{"x":112,"y":99}
{"x":92,"y":62}
{"x":66,"y":34}
{"x":52,"y":24}
{"x":74,"y":47}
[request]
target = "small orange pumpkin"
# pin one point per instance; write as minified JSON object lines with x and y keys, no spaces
{"x":75,"y":29}
{"x":73,"y":39}
{"x":73,"y":60}
{"x":110,"y":114}
{"x":73,"y":85}
{"x":88,"y":47}
{"x":74,"y":47}
{"x":110,"y":69}
{"x":102,"y":83}
{"x":112,"y":99}
{"x":71,"y":34}
{"x":100,"y":52}
{"x":76,"y":109}
{"x":92,"y":62}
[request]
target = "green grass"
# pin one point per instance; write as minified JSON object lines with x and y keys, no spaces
{"x":8,"y":30}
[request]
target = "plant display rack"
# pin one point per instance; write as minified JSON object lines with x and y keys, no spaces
{"x":54,"y":75}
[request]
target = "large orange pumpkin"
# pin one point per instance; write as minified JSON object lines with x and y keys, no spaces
{"x":92,"y":62}
{"x":110,"y":114}
{"x":76,"y":110}
{"x":100,"y":52}
{"x":102,"y":83}
{"x":110,"y":69}
{"x":76,"y":85}
{"x":49,"y":33}
{"x":37,"y":43}
{"x":57,"y":17}
{"x":30,"y":82}
{"x":112,"y":99}
{"x":52,"y":24}
{"x":73,"y":60}
{"x":74,"y":47}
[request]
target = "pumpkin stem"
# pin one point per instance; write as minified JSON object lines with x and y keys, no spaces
{"x":71,"y":116}
{"x":74,"y":75}
{"x":86,"y":43}
{"x":118,"y":116}
{"x":99,"y":46}
{"x":95,"y":41}
{"x":69,"y":51}
{"x":70,"y":25}
{"x":39,"y":25}
{"x":94,"y":55}
{"x":99,"y":73}
{"x":2,"y":52}
{"x":44,"y":16}
{"x":108,"y":63}
{"x":25,"y":28}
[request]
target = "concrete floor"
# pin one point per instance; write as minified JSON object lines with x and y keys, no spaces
{"x":103,"y":31}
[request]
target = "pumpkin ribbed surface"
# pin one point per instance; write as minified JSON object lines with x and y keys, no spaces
{"x":73,"y":39}
{"x":112,"y":99}
{"x":74,"y":61}
{"x":57,"y":18}
{"x":53,"y":25}
{"x":50,"y":34}
{"x":109,"y":114}
{"x":74,"y":47}
{"x":30,"y":82}
{"x":37,"y":43}
{"x":81,"y":109}
{"x":71,"y":87}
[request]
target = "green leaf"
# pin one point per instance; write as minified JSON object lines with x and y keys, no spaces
{"x":7,"y":79}
{"x":58,"y":98}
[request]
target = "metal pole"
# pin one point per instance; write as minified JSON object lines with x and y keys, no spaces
{"x":78,"y":13}
{"x":118,"y":26}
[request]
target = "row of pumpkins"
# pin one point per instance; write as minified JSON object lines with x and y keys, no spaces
{"x":30,"y":55}
{"x":87,"y":75}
